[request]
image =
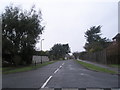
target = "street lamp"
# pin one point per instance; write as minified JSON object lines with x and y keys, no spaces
{"x":41,"y":50}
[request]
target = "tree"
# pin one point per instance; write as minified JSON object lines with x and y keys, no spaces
{"x":20,"y":31}
{"x":41,"y":53}
{"x":76,"y":55}
{"x":59,"y":51}
{"x":94,"y":41}
{"x":66,"y":48}
{"x":82,"y":54}
{"x":79,"y":55}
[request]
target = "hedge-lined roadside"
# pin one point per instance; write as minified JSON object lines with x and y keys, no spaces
{"x":23,"y":69}
{"x":96,"y":68}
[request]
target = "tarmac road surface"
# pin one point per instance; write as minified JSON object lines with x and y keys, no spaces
{"x":61,"y":74}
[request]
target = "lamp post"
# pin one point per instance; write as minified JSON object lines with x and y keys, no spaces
{"x":41,"y":50}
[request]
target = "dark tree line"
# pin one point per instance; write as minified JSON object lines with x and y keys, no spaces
{"x":20,"y":32}
{"x":41,"y":53}
{"x":58,"y":51}
{"x":94,"y":40}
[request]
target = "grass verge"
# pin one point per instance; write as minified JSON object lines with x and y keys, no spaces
{"x":115,"y":65}
{"x":96,"y":68}
{"x":9,"y":70}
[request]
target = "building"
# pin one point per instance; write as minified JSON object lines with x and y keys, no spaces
{"x":113,"y":50}
{"x":117,"y":38}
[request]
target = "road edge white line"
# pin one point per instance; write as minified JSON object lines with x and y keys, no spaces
{"x":46,"y":82}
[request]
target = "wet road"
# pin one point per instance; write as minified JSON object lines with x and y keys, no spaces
{"x":61,"y":74}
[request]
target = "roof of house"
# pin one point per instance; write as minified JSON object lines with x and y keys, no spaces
{"x":117,"y":36}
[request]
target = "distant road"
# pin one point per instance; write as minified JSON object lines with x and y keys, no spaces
{"x":62,"y":74}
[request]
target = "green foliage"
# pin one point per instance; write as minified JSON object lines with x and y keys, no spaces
{"x":41,"y":53}
{"x":20,"y":31}
{"x":94,"y":41}
{"x":76,"y":55}
{"x":17,"y":59}
{"x":93,"y":34}
{"x":59,"y":51}
{"x":79,"y":55}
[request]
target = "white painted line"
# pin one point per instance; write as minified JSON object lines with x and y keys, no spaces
{"x":60,"y":67}
{"x":56,"y":70}
{"x":46,"y":82}
{"x":63,"y":63}
{"x":82,"y":73}
{"x":43,"y":86}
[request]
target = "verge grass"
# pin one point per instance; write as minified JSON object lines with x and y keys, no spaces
{"x":9,"y":70}
{"x":115,"y":65}
{"x":96,"y":68}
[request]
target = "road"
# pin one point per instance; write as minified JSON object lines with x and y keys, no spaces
{"x":61,"y":74}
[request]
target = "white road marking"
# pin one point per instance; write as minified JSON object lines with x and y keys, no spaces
{"x":60,"y":67}
{"x":56,"y":70}
{"x":43,"y":86}
{"x":82,"y":74}
{"x":46,"y":82}
{"x":63,"y":63}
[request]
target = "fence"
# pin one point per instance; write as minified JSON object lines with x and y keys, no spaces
{"x":99,"y":57}
{"x":106,"y":56}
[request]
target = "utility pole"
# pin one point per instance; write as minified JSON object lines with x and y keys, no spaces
{"x":41,"y":50}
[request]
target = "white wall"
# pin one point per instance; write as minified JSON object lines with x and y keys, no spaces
{"x":37,"y":59}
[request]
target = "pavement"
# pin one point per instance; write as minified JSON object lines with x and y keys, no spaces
{"x":61,"y":74}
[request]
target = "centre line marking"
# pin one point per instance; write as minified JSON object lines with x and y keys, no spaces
{"x":63,"y":64}
{"x":46,"y":82}
{"x":82,"y":73}
{"x":60,"y":66}
{"x":56,"y":70}
{"x":43,"y":86}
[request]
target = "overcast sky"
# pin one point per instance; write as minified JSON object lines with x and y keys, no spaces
{"x":67,"y":20}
